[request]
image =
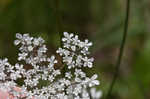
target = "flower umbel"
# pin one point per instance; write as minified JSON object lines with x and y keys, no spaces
{"x":39,"y":76}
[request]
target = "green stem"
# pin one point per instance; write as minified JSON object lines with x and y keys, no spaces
{"x":121,"y":50}
{"x":59,"y":25}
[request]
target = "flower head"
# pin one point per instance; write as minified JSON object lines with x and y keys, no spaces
{"x":41,"y":79}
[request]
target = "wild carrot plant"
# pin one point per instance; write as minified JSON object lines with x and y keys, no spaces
{"x":40,"y":75}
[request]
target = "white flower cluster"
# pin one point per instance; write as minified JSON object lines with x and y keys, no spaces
{"x":40,"y":79}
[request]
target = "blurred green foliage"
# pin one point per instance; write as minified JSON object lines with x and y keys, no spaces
{"x":102,"y":22}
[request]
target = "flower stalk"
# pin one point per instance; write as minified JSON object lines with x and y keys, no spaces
{"x":118,"y":63}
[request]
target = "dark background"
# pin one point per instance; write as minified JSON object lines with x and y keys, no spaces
{"x":102,"y":22}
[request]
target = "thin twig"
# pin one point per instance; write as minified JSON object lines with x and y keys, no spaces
{"x":121,"y":49}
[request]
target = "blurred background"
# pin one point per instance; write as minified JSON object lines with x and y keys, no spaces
{"x":101,"y":21}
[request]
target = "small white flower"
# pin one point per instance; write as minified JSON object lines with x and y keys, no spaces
{"x":4,"y":62}
{"x":93,"y":81}
{"x":75,"y":40}
{"x":22,"y":56}
{"x":95,"y":94}
{"x":73,"y":48}
{"x":16,"y":42}
{"x":88,"y":62}
{"x":68,"y":37}
{"x":30,"y":48}
{"x":18,"y":36}
{"x":52,"y":61}
{"x":36,"y":42}
{"x":68,"y":75}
